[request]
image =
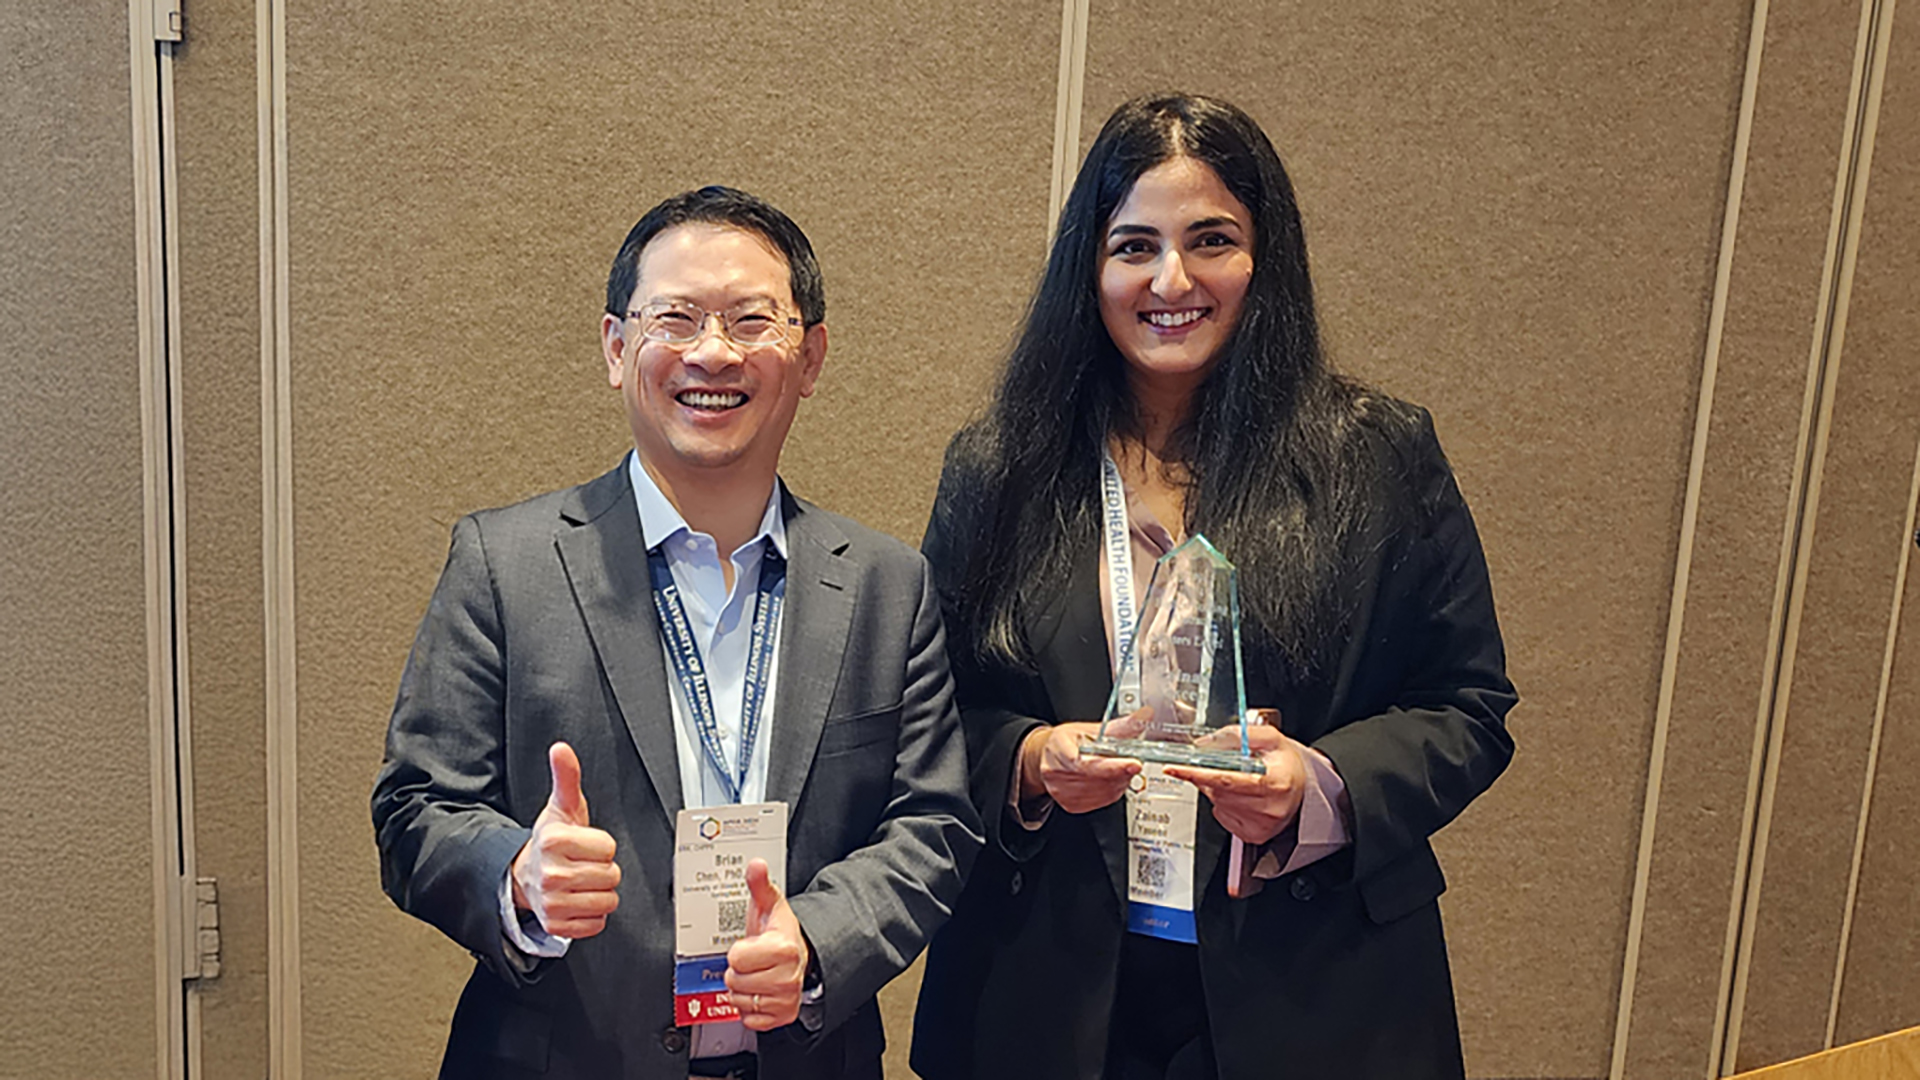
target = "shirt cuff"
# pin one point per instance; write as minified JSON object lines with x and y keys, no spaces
{"x":1042,"y":807}
{"x":813,"y":995}
{"x":1321,"y":827}
{"x":527,"y":935}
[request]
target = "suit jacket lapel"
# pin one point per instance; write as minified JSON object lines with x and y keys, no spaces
{"x":815,"y":622}
{"x":605,"y":558}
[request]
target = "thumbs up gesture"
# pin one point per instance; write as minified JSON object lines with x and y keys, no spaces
{"x":767,"y":969}
{"x":565,"y":874}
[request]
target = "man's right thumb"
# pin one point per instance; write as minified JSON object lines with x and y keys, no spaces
{"x":567,"y":799}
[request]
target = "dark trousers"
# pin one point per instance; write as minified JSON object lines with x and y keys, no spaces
{"x":1159,"y":1029}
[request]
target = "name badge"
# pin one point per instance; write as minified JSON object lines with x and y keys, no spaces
{"x":1161,"y":812}
{"x":711,"y":848}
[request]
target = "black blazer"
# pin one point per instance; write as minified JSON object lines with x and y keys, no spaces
{"x":1339,"y":970}
{"x":542,"y":627}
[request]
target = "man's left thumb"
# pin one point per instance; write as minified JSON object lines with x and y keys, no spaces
{"x":765,"y":896}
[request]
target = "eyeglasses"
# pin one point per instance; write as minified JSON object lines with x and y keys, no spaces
{"x":750,"y":325}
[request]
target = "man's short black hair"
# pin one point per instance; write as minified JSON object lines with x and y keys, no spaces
{"x":717,"y":205}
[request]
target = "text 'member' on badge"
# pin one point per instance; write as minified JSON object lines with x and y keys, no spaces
{"x":1161,"y":816}
{"x":711,"y":849}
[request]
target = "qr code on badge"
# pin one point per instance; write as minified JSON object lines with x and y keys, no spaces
{"x":1151,"y":871}
{"x":733,"y":918}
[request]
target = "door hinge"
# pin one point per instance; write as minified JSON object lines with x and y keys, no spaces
{"x":168,"y":23}
{"x":202,"y":960}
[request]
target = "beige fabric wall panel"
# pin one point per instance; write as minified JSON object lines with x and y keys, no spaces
{"x":460,"y":179}
{"x":1880,"y":990}
{"x":74,"y":780}
{"x":1857,"y":548}
{"x":1719,"y":683}
{"x":1514,"y":216}
{"x":216,"y":123}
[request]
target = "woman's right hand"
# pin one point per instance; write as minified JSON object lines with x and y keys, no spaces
{"x":1051,"y":764}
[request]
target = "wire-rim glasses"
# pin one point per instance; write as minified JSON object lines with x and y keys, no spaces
{"x":752,"y":325}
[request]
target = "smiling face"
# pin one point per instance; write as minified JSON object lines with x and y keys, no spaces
{"x":711,"y":409}
{"x":1177,"y":259}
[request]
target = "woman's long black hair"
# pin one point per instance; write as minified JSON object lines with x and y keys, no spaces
{"x":1280,"y":478}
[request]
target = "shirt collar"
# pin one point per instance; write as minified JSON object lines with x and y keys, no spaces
{"x":660,"y":520}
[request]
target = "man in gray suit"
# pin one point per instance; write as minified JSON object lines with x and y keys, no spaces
{"x":681,"y":632}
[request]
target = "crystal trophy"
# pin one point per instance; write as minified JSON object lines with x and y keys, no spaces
{"x":1180,"y":698}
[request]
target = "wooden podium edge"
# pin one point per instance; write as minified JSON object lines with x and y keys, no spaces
{"x":1887,"y":1057}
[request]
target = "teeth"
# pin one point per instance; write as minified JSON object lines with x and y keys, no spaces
{"x":712,"y":399}
{"x":1173,"y":318}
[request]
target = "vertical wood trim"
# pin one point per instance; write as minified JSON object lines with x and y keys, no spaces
{"x":1757,"y":756}
{"x":1068,"y":101}
{"x":1689,"y":524}
{"x":276,"y":479}
{"x":188,"y":865}
{"x":1843,"y":241}
{"x":1870,"y":126}
{"x":157,"y":540}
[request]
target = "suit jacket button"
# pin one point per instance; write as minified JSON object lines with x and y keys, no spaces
{"x":673,"y":1040}
{"x":1302,"y":889}
{"x":1014,"y":883}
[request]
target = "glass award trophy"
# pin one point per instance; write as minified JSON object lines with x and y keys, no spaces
{"x":1180,"y":698}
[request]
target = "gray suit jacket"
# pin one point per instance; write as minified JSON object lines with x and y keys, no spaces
{"x":542,"y":628}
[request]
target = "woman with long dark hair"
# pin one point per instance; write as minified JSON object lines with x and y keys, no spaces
{"x":1169,"y":381}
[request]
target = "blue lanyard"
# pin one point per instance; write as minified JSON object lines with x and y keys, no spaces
{"x":1117,"y":544}
{"x":684,"y":651}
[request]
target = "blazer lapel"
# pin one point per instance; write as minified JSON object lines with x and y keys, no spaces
{"x":1069,"y":641}
{"x":816,"y":619}
{"x":605,"y":559}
